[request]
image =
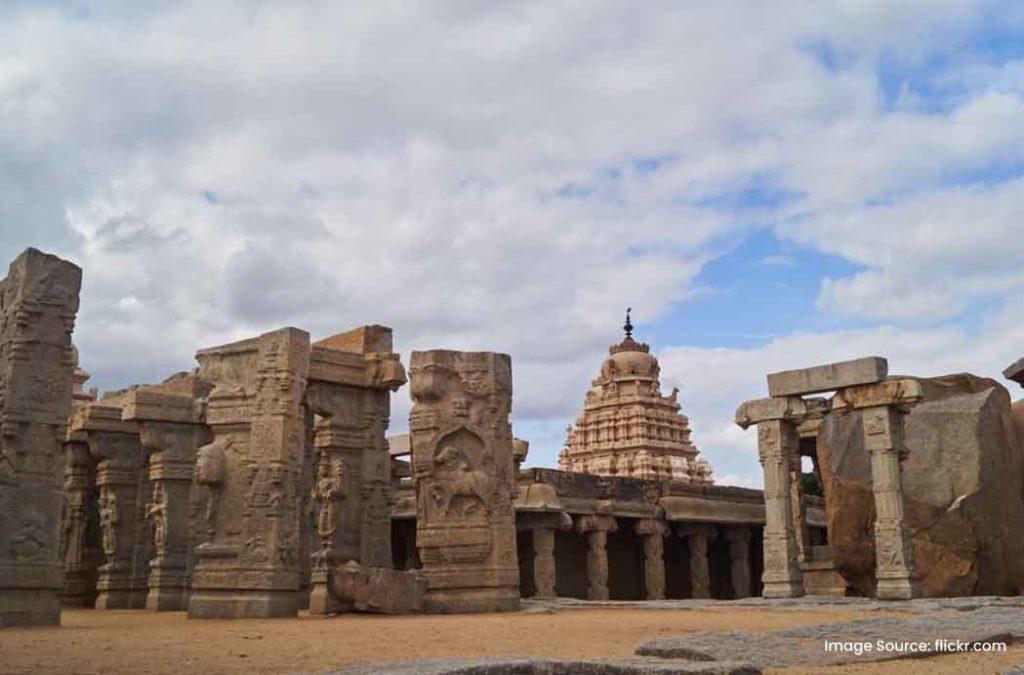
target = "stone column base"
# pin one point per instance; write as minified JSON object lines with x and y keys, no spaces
{"x":29,"y":607}
{"x":783,"y":589}
{"x":168,"y":589}
{"x":471,"y":601}
{"x":900,"y":588}
{"x":239,"y":604}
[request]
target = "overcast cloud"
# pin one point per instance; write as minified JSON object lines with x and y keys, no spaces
{"x":510,"y":176}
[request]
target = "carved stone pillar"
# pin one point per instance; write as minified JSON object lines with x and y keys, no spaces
{"x":352,"y":377}
{"x":38,"y":302}
{"x":653,"y":533}
{"x":79,"y":480}
{"x":894,"y":551}
{"x":697,"y":537}
{"x":544,"y":569}
{"x":248,"y":478}
{"x":596,"y":528}
{"x":739,"y":560}
{"x":777,"y":446}
{"x":170,"y":429}
{"x":122,"y":582}
{"x":463,"y":466}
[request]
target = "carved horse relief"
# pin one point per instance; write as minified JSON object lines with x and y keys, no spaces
{"x":459,"y":489}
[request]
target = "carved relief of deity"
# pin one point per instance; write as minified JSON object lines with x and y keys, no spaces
{"x":108,"y":520}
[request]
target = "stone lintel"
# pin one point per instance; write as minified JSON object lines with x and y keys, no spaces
{"x":897,"y":392}
{"x":363,"y":340}
{"x":543,"y":521}
{"x":381,"y":370}
{"x":680,"y":509}
{"x":828,"y":377}
{"x":143,"y":405}
{"x":696,"y":530}
{"x":765,"y":409}
{"x":99,"y":417}
{"x":1015,"y":372}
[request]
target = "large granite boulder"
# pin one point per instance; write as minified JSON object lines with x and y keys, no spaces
{"x":963,"y":482}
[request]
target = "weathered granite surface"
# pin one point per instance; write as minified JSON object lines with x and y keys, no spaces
{"x":38,"y":304}
{"x":962,"y":488}
{"x":881,"y":639}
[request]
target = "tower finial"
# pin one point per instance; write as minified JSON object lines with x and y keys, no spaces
{"x":628,"y":327}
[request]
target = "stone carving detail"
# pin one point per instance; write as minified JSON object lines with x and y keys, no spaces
{"x":330,"y":488}
{"x":544,"y":571}
{"x":596,"y":529}
{"x":628,"y":428}
{"x":38,"y":303}
{"x":251,"y":476}
{"x":653,"y":532}
{"x":156,"y":512}
{"x":462,"y":465}
{"x":108,"y":521}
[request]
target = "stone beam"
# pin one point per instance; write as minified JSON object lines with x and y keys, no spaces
{"x":900,"y":393}
{"x":828,"y":377}
{"x":759,"y":410}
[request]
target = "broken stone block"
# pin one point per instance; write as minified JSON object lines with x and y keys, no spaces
{"x":828,"y":377}
{"x":379,"y":590}
{"x":962,"y":490}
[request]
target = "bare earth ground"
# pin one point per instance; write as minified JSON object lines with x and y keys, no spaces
{"x":151,"y":643}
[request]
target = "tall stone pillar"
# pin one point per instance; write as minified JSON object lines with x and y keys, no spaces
{"x":739,"y":560}
{"x":248,"y":478}
{"x":170,"y":430}
{"x":38,"y":302}
{"x":653,"y":534}
{"x":463,"y":467}
{"x":352,"y":376}
{"x":778,"y":451}
{"x":123,"y":484}
{"x":79,"y":479}
{"x":596,"y":529}
{"x":544,"y":566}
{"x":894,"y":552}
{"x":697,"y":537}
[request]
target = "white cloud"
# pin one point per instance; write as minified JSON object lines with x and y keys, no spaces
{"x":479,"y":176}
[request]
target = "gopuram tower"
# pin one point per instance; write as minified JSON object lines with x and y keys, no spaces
{"x":628,"y":428}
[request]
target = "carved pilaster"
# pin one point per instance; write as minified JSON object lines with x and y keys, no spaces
{"x":697,"y":538}
{"x":544,"y":570}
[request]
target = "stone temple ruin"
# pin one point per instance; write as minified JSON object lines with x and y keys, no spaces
{"x":923,"y":481}
{"x":262,"y":482}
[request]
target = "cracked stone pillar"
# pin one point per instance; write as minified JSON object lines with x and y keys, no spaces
{"x":38,"y":303}
{"x":778,"y":450}
{"x":171,"y":431}
{"x":894,"y":552}
{"x":652,"y":532}
{"x":249,"y":478}
{"x":596,"y":529}
{"x":739,"y":560}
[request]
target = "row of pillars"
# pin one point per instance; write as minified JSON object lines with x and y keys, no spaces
{"x":652,"y":533}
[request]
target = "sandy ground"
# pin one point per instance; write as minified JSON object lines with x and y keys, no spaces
{"x":151,"y":643}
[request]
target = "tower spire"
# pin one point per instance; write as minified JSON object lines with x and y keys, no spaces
{"x":628,"y":326}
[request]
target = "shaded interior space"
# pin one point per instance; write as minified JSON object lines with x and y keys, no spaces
{"x":677,"y":568}
{"x":524,"y":549}
{"x":756,"y":553}
{"x":570,"y":564}
{"x":720,"y":568}
{"x":625,"y":563}
{"x":403,"y":544}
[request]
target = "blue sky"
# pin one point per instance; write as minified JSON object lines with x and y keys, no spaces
{"x":768,"y":186}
